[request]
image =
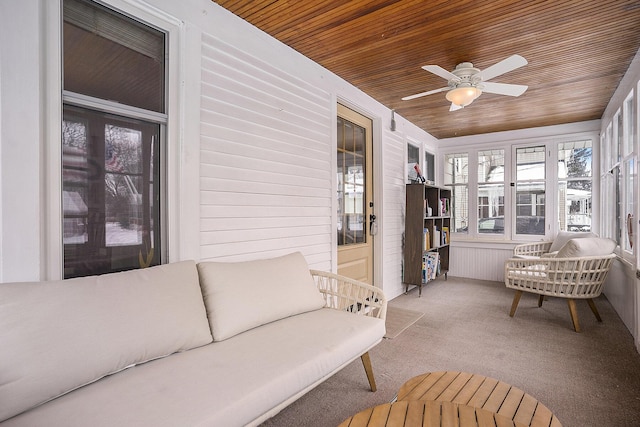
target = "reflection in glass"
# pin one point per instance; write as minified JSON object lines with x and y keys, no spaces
{"x":111,"y":207}
{"x":351,"y":183}
{"x":574,"y":186}
{"x":530,"y":190}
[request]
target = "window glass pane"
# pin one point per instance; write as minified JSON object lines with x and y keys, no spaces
{"x":629,"y":124}
{"x":491,"y":208}
{"x":574,"y":191}
{"x":413,"y":159}
{"x":429,"y":167}
{"x":456,"y":175}
{"x":110,"y":56}
{"x":460,"y":208}
{"x":574,"y":159}
{"x":530,"y":190}
{"x":110,"y":192}
{"x":456,"y":169}
{"x":530,"y":163}
{"x":491,"y":191}
{"x":630,"y":172}
{"x":491,"y":166}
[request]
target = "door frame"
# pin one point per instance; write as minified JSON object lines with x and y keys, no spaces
{"x":378,"y":246}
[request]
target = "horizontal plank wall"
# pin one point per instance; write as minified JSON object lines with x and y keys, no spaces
{"x":393,"y":157}
{"x":478,"y":263}
{"x":266,"y":144}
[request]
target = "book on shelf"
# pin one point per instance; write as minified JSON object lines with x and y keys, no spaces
{"x":430,"y":266}
{"x":426,"y":238}
{"x":436,"y":237}
{"x":445,"y":235}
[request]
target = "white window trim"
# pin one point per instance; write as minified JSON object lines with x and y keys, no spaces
{"x":182,"y":190}
{"x":551,"y":143}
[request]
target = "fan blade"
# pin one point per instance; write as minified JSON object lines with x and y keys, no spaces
{"x":504,"y":66}
{"x":441,"y":72}
{"x":418,"y":95}
{"x":454,"y":107}
{"x":504,"y":88}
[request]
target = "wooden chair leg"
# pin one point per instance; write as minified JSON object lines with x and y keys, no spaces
{"x":366,"y":362}
{"x":540,"y":300}
{"x":574,"y":314}
{"x":592,"y":305}
{"x":514,"y":304}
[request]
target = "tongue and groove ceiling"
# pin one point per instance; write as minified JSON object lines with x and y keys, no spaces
{"x":578,"y":51}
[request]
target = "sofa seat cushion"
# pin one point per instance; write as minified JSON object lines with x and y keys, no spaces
{"x":60,"y":335}
{"x":228,"y":383}
{"x":243,"y":295}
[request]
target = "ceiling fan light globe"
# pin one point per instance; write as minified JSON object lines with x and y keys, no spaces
{"x":463,"y":96}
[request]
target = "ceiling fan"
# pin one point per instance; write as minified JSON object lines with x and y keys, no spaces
{"x":467,"y":83}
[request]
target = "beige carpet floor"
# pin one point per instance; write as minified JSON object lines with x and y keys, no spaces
{"x":591,"y":379}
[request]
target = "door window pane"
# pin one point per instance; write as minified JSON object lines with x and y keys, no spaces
{"x":351,"y":183}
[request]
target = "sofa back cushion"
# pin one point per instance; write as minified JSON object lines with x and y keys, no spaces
{"x":57,"y":336}
{"x":564,"y":236}
{"x":243,"y":295}
{"x":589,"y":246}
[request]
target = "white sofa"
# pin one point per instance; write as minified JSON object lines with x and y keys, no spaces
{"x":212,"y":344}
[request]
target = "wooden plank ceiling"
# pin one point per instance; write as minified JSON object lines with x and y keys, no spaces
{"x":578,"y":51}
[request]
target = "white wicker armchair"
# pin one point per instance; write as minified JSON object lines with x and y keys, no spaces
{"x":536,"y":249}
{"x":343,"y":293}
{"x":568,"y":275}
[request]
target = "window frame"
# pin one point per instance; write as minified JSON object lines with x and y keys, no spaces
{"x":551,"y":144}
{"x":181,"y":196}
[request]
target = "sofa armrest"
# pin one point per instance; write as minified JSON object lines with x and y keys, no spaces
{"x":344,"y":293}
{"x":532,"y":249}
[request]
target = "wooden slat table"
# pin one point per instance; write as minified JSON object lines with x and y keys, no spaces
{"x":481,"y":392}
{"x":414,"y":413}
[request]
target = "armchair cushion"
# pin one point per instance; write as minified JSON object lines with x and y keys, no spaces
{"x":589,"y":246}
{"x":564,"y":236}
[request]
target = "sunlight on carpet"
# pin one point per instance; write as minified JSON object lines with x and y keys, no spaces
{"x":399,"y":319}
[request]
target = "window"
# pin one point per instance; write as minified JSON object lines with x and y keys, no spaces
{"x":628,"y":172}
{"x":456,"y":175}
{"x":429,"y":167}
{"x":413,"y":159}
{"x":113,"y":126}
{"x":607,"y":187}
{"x":574,"y":186}
{"x":491,"y":191}
{"x":530,"y":190}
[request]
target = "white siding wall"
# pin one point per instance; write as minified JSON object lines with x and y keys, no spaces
{"x":394,"y":155}
{"x":265,"y":158}
{"x":486,"y":263}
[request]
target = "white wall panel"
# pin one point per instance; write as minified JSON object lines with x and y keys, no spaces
{"x":393,"y":210}
{"x":484,"y":263}
{"x":265,"y":160}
